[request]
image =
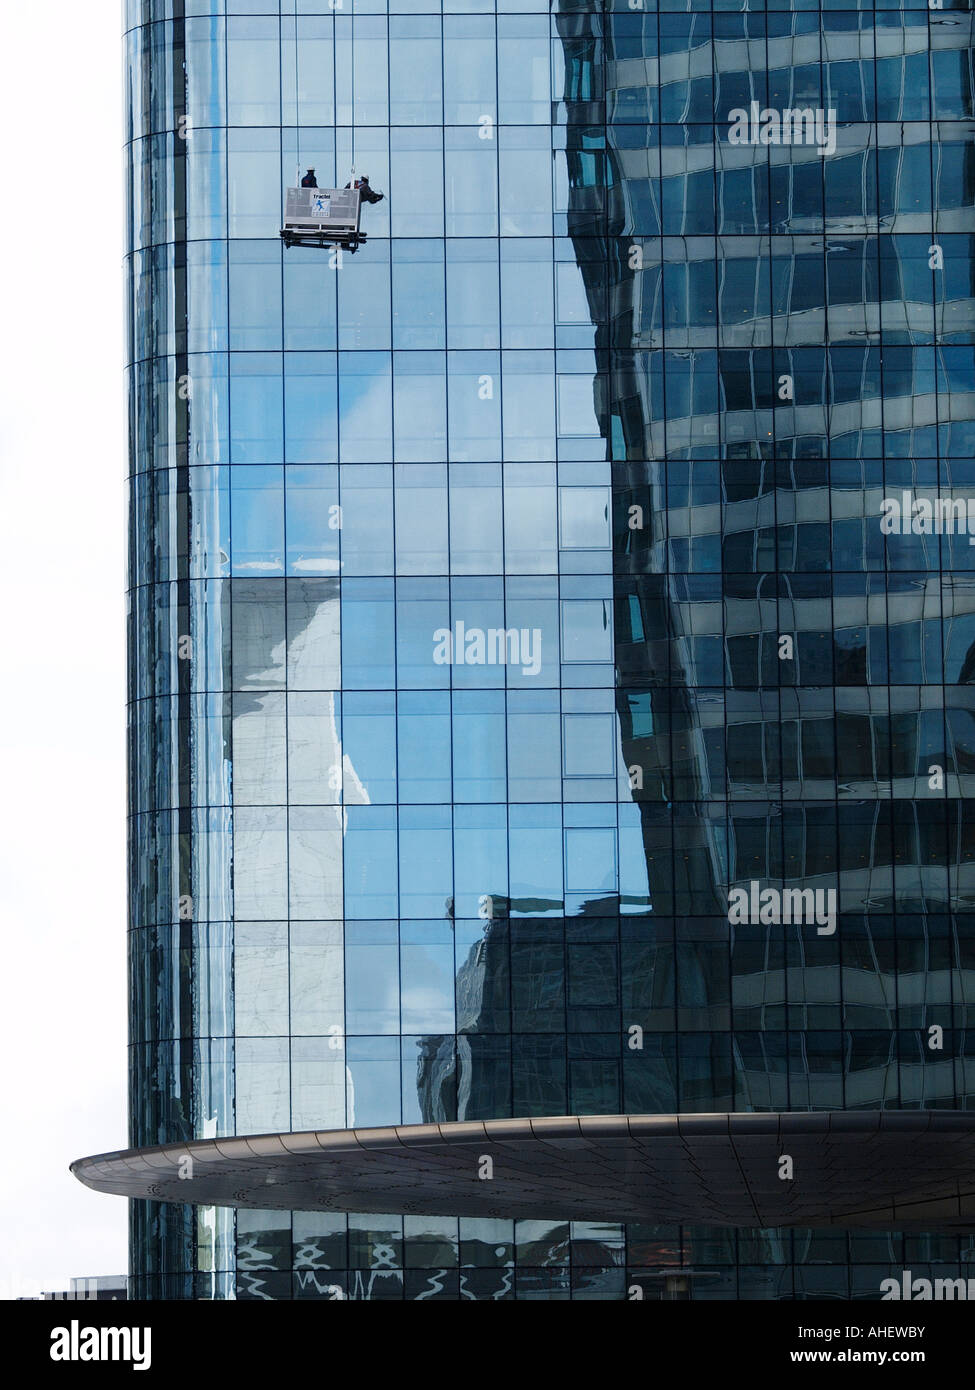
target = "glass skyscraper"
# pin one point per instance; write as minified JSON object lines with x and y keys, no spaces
{"x":507,"y":594}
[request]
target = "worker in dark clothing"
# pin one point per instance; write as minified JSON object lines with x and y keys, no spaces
{"x":309,"y":181}
{"x":367,"y":194}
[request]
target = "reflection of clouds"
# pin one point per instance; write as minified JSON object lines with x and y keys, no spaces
{"x":420,"y":1000}
{"x":365,"y":415}
{"x":315,"y":565}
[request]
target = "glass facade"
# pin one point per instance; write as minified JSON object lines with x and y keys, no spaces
{"x":505,"y":594}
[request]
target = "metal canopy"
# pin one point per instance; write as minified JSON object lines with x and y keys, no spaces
{"x":886,"y":1170}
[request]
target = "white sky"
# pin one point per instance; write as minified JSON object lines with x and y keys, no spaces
{"x":62,"y":792}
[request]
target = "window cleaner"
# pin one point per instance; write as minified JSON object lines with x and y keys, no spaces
{"x":366,"y":192}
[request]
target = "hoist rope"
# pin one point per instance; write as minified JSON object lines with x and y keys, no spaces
{"x":352,"y":96}
{"x":297,"y":104}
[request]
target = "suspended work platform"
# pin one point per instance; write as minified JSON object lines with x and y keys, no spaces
{"x":323,"y":217}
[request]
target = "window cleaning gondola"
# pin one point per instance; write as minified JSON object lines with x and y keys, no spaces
{"x":321,"y":217}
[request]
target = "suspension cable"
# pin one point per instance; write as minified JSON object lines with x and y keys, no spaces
{"x":352,"y":96}
{"x":297,"y":104}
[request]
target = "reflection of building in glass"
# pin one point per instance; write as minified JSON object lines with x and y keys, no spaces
{"x":648,"y":406}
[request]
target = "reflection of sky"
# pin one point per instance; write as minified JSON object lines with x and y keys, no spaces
{"x":482,"y":531}
{"x":508,"y":405}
